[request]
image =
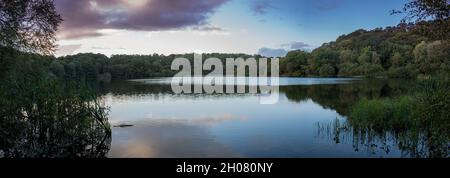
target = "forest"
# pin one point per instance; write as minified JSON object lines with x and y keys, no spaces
{"x":395,"y":52}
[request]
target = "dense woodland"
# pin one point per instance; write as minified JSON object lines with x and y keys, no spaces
{"x":396,"y":52}
{"x":88,"y":66}
{"x":123,"y":66}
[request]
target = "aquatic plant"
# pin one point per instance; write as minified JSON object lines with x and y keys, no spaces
{"x":417,"y":123}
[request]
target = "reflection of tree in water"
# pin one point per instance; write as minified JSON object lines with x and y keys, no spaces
{"x":44,"y":118}
{"x":338,"y":97}
{"x":118,"y":88}
{"x":411,"y":142}
{"x":131,"y":89}
{"x":341,"y":97}
{"x":340,"y":131}
{"x":415,"y":123}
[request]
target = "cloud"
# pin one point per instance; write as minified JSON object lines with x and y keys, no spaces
{"x":83,"y":18}
{"x":163,"y":137}
{"x":260,"y":7}
{"x":296,"y":45}
{"x":101,"y":48}
{"x":64,"y":50}
{"x":208,"y":27}
{"x":285,"y":48}
{"x":270,"y":52}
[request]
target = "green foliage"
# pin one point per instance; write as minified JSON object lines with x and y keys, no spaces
{"x":433,"y":103}
{"x":398,"y":52}
{"x":420,"y":121}
{"x":295,"y":63}
{"x":99,"y":67}
{"x":382,"y":114}
{"x":44,"y":116}
{"x":327,"y":70}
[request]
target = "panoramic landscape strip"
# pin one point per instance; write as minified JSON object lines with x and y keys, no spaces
{"x":195,"y":79}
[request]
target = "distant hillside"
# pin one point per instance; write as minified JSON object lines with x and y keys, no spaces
{"x":404,"y":51}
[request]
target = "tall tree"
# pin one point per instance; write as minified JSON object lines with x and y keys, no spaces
{"x":29,"y":25}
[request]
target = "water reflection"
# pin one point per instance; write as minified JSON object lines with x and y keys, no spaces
{"x":412,"y":143}
{"x":236,"y":125}
{"x":167,"y":139}
{"x":310,"y":120}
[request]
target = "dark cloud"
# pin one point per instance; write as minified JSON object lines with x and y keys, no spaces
{"x":269,"y":52}
{"x":260,"y":7}
{"x":84,"y":17}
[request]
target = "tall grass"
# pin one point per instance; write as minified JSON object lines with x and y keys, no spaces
{"x":419,"y":121}
{"x":380,"y":114}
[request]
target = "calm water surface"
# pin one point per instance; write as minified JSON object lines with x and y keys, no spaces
{"x":165,"y":124}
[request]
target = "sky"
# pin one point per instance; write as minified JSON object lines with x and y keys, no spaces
{"x":267,"y":27}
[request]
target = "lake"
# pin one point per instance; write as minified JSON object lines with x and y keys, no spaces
{"x":149,"y":120}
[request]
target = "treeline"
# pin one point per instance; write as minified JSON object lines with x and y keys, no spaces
{"x":403,"y":51}
{"x":394,"y":52}
{"x":98,"y":66}
{"x":89,"y":66}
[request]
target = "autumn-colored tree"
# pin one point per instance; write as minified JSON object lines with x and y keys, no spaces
{"x":418,"y":11}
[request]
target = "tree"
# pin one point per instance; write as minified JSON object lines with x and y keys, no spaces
{"x":295,"y":63}
{"x":419,"y":10}
{"x":327,"y":70}
{"x":57,"y":68}
{"x":365,"y":57}
{"x":347,"y":56}
{"x":29,"y":25}
{"x":347,"y":69}
{"x":420,"y":52}
{"x":398,"y":59}
{"x":438,"y":56}
{"x":422,"y":10}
